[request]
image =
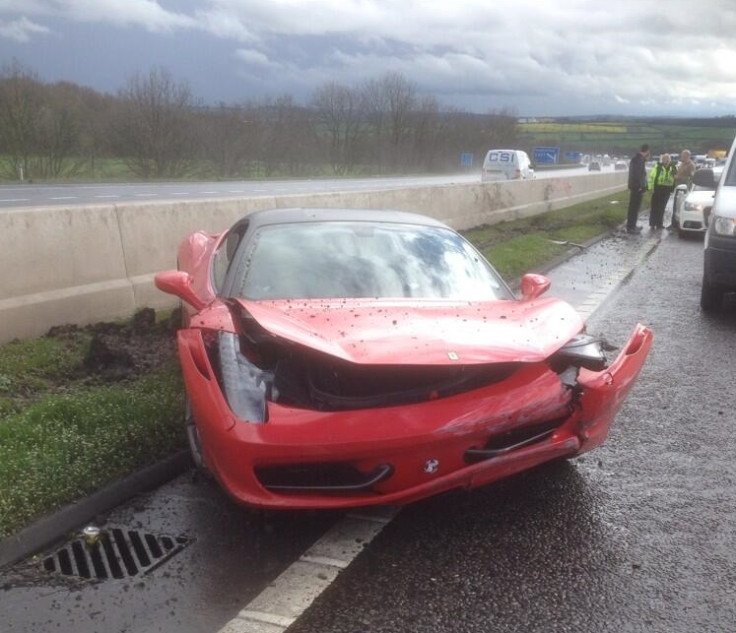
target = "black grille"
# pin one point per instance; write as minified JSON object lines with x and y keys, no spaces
{"x":118,"y":553}
{"x":329,"y":477}
{"x":512,"y":440}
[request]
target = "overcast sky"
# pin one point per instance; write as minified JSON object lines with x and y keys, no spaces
{"x":534,"y":57}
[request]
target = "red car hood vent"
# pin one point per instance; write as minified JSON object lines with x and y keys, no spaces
{"x":426,"y":332}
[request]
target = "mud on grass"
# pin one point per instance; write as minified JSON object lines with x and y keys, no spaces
{"x":82,"y":407}
{"x":71,"y":356}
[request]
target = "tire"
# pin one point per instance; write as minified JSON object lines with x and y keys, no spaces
{"x":711,"y":297}
{"x":675,"y":220}
{"x":195,"y":445}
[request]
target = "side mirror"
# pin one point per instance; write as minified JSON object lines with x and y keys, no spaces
{"x":705,"y":178}
{"x":533,"y":286}
{"x":179,"y":284}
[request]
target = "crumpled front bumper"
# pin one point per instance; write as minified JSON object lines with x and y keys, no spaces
{"x":411,"y":452}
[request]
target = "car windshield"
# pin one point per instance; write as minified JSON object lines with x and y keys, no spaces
{"x":314,"y":260}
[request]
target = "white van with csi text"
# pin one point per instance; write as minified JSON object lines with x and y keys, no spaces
{"x":506,"y":164}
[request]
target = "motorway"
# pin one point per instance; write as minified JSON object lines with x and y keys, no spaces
{"x":32,"y":195}
{"x":636,"y":536}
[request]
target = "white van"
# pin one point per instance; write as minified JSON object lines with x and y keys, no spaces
{"x":719,"y":260}
{"x":506,"y":164}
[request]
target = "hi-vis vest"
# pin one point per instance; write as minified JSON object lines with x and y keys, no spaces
{"x":662,"y":176}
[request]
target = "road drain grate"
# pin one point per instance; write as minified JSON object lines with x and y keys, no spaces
{"x":118,"y":553}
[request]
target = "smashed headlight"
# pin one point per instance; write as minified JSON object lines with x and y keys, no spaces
{"x":246,"y":387}
{"x":582,"y":350}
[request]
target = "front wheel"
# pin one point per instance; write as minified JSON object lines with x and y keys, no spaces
{"x":675,"y":219}
{"x":711,"y":296}
{"x":195,"y":444}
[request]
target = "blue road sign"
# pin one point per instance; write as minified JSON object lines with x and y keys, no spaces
{"x":466,"y":159}
{"x":546,"y":155}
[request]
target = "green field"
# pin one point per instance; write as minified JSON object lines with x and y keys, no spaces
{"x":624,"y":136}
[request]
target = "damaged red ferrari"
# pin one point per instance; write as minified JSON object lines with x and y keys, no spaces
{"x":337,"y":358}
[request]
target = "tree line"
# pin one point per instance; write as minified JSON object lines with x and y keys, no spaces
{"x":158,"y":129}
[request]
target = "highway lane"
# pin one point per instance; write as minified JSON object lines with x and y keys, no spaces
{"x":635,"y":536}
{"x":32,"y":195}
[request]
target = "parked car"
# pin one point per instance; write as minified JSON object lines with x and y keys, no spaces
{"x":691,"y":214}
{"x":594,"y":165}
{"x":719,"y":261}
{"x":620,"y":165}
{"x":337,"y":358}
{"x":506,"y":164}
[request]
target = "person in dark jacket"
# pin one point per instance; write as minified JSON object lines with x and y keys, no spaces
{"x":637,"y":186}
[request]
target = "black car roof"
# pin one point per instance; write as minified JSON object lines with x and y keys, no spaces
{"x":300,"y":214}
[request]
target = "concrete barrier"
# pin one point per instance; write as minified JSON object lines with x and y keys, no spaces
{"x":90,"y":263}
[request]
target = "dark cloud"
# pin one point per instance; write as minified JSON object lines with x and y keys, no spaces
{"x":571,"y":57}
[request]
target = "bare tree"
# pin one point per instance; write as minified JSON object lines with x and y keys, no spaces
{"x":374,"y":103}
{"x":288,"y":133}
{"x":389,"y":102}
{"x":154,"y":130}
{"x":20,"y":108}
{"x":430,"y":142}
{"x":340,"y":121}
{"x":465,"y":132}
{"x":60,"y":130}
{"x":227,"y":138}
{"x":499,"y":129}
{"x":97,"y":120}
{"x":402,"y":101}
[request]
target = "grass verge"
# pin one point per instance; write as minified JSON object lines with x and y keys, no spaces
{"x":66,"y":432}
{"x":62,"y":438}
{"x":526,"y":245}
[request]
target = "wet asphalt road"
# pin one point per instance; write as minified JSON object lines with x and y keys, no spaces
{"x":635,"y":536}
{"x":230,"y":555}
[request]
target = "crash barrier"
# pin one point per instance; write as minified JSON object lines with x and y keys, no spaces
{"x":92,"y":263}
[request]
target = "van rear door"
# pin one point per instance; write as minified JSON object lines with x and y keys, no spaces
{"x":500,"y":164}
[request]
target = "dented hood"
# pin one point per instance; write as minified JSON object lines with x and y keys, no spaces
{"x":386,"y":332}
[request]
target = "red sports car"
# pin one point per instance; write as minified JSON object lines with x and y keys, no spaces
{"x":336,"y":358}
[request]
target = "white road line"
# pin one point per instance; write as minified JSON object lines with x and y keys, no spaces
{"x":109,"y":195}
{"x":64,"y":198}
{"x":145,"y":195}
{"x":279,"y":605}
{"x":15,"y":200}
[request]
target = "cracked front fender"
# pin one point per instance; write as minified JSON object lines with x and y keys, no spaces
{"x":604,"y":392}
